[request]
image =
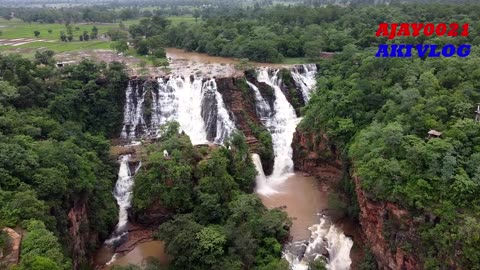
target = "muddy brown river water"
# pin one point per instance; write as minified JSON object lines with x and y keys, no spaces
{"x":143,"y":251}
{"x":303,"y":198}
{"x":187,"y":63}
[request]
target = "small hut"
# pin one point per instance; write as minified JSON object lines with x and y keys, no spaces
{"x":434,"y":134}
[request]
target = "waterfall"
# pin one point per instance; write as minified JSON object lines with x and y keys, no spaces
{"x":261,"y":182}
{"x":164,"y":106}
{"x":304,"y":77}
{"x":123,"y":195}
{"x":225,"y":125}
{"x":133,"y":122}
{"x":281,"y":125}
{"x":326,"y":242}
{"x":189,"y":100}
{"x":196,"y":105}
{"x":262,"y":108}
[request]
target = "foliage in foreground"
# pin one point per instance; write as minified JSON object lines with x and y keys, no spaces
{"x":218,"y":222}
{"x":54,"y":152}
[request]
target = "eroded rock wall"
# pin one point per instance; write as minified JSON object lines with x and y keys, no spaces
{"x":386,"y":228}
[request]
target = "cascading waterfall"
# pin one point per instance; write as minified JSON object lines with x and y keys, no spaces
{"x":218,"y":123}
{"x":281,"y":125}
{"x":326,"y":242}
{"x":164,"y":105}
{"x":133,"y":122}
{"x":262,"y":108}
{"x":261,"y":181}
{"x":123,"y":195}
{"x":189,"y":113}
{"x":225,"y":125}
{"x":304,"y":77}
{"x":194,"y":103}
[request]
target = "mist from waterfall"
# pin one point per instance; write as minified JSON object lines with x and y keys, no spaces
{"x":326,"y":239}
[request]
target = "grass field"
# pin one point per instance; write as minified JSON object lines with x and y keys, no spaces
{"x":16,"y":29}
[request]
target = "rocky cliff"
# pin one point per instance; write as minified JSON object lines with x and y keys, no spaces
{"x":387,"y":229}
{"x":82,"y":239}
{"x":314,"y":154}
{"x":240,"y":101}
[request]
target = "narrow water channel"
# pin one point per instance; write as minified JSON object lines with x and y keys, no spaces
{"x":312,"y":234}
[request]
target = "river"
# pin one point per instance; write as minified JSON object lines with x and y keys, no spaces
{"x":302,"y":198}
{"x":182,"y":98}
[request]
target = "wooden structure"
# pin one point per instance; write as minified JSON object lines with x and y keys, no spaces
{"x":434,"y":134}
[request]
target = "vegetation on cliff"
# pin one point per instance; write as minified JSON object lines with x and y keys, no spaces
{"x":53,"y":152}
{"x":380,"y":111}
{"x":218,"y":222}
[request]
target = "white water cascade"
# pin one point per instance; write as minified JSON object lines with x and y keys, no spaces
{"x":281,"y":125}
{"x":326,"y":242}
{"x":189,"y":102}
{"x":224,"y":126}
{"x":123,"y":195}
{"x":261,"y":181}
{"x":304,"y":77}
{"x":263,"y":109}
{"x":133,"y":111}
{"x":181,"y":99}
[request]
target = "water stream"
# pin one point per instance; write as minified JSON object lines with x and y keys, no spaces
{"x":123,"y":195}
{"x":314,"y":236}
{"x":197,"y":105}
{"x":281,"y":125}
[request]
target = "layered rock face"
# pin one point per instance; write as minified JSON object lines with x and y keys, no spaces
{"x":81,"y":237}
{"x":386,"y":227}
{"x":239,"y":100}
{"x":313,"y":154}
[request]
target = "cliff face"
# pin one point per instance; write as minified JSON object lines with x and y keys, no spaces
{"x":240,"y":101}
{"x":80,"y":235}
{"x":313,"y":154}
{"x":151,"y":217}
{"x":386,"y":228}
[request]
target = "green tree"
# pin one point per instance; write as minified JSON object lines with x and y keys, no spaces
{"x":41,"y":242}
{"x":45,"y":57}
{"x":36,"y":33}
{"x":120,"y":46}
{"x":94,"y":33}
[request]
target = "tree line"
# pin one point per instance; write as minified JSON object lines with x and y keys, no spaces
{"x":54,"y":125}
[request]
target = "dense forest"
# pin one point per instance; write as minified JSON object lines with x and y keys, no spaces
{"x":379,"y":112}
{"x":55,"y":125}
{"x":271,"y":34}
{"x":54,"y":152}
{"x":218,"y":223}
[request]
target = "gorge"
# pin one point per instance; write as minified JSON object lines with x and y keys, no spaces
{"x":209,"y":110}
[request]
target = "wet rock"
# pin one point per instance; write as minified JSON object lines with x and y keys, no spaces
{"x":153,"y":216}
